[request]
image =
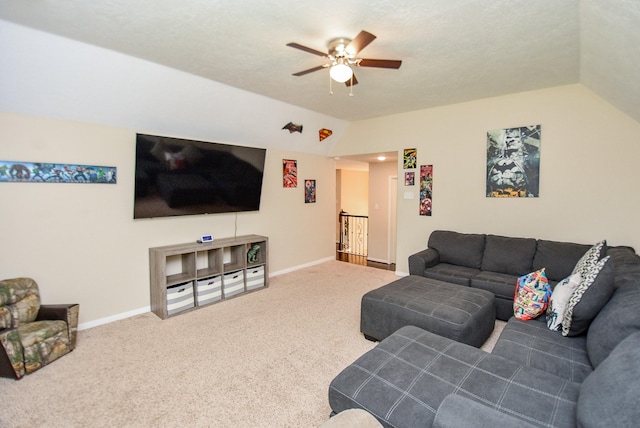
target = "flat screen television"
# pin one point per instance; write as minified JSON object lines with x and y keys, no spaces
{"x":177,"y":177}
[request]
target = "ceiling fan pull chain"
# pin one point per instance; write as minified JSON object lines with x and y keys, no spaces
{"x":330,"y":85}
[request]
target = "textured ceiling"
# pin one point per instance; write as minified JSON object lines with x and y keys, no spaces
{"x":452,"y":50}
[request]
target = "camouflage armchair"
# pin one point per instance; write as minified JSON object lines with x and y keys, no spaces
{"x":32,"y":335}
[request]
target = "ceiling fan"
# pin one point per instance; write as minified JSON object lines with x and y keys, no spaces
{"x":342,"y":55}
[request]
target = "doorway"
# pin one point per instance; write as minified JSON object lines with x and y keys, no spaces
{"x":368,"y":187}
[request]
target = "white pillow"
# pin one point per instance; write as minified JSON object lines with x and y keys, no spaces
{"x":559,"y":298}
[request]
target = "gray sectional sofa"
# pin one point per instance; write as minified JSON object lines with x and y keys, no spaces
{"x":493,"y":263}
{"x":534,"y":376}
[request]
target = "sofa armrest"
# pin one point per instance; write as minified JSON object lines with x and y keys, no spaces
{"x":457,"y":411}
{"x":68,"y":313}
{"x":422,"y":260}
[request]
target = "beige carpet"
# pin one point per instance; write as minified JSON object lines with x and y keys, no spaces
{"x":264,"y":359}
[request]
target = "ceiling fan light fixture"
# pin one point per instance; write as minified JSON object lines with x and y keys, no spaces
{"x":340,"y":72}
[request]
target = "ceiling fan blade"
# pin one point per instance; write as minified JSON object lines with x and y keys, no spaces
{"x":380,"y":63}
{"x":311,"y":70}
{"x":306,"y":49}
{"x":360,"y":42}
{"x":352,"y":81}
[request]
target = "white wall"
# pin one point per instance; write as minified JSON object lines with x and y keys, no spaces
{"x":589,"y":168}
{"x":51,"y":76}
{"x":81,"y":244}
{"x":66,"y":102}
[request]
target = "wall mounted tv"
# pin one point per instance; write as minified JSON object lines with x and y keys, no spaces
{"x":184,"y":177}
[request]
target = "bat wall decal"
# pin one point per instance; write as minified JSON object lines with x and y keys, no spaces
{"x":292,"y":127}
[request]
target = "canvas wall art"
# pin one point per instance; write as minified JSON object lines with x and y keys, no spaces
{"x":410,"y":158}
{"x":513,"y":162}
{"x":289,"y":173}
{"x":38,"y":172}
{"x":309,"y":191}
{"x":409,"y":178}
{"x":426,"y":190}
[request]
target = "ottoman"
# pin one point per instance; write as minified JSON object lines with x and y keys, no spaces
{"x":464,"y":314}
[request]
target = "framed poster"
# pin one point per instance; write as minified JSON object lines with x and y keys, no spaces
{"x":309,"y":191}
{"x":426,"y":189}
{"x":513,"y":162}
{"x":289,"y":173}
{"x":409,"y":178}
{"x":410,"y":158}
{"x":40,"y":172}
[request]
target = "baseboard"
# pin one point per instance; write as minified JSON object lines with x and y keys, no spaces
{"x":117,"y":317}
{"x":306,"y":265}
{"x":124,"y":315}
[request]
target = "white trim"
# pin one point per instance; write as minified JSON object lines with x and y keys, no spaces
{"x":291,"y":269}
{"x":124,"y":315}
{"x":117,"y":317}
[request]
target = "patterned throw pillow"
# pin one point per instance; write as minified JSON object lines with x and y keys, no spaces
{"x":532,"y":295}
{"x":591,"y":257}
{"x":559,"y":299}
{"x":589,"y":275}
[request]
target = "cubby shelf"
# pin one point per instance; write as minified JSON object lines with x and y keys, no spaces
{"x":188,"y":276}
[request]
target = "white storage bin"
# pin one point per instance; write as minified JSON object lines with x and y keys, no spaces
{"x":233,"y":283}
{"x":209,"y":290}
{"x":255,"y":277}
{"x":180,"y":298}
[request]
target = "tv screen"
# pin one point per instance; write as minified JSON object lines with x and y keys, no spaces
{"x":177,"y":177}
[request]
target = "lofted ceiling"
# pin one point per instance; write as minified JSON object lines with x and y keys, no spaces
{"x":452,"y":50}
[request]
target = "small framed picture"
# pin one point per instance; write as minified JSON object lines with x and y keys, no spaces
{"x":410,"y":158}
{"x":409,"y":178}
{"x":309,"y":191}
{"x":289,"y":173}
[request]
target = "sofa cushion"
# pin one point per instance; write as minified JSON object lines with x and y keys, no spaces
{"x":558,"y":258}
{"x":457,"y":411}
{"x":609,"y":396}
{"x":462,"y":249}
{"x":533,"y":344}
{"x":508,"y":255}
{"x":618,"y":319}
{"x":501,"y":284}
{"x":559,"y":299}
{"x":455,"y":274}
{"x":593,"y":292}
{"x":405,"y":378}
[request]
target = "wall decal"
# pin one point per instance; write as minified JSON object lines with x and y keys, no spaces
{"x":309,"y":191}
{"x":40,"y":172}
{"x":426,"y":189}
{"x":410,"y":158}
{"x":513,"y":162}
{"x":289,"y":173}
{"x":292,"y":127}
{"x":325,"y":133}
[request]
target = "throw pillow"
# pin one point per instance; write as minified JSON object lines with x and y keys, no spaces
{"x":559,"y":299}
{"x":532,"y":295}
{"x":593,"y":292}
{"x":592,"y":256}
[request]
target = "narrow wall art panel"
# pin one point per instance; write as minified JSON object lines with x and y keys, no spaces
{"x":309,"y":191}
{"x":513,"y":162}
{"x":289,"y":173}
{"x":426,"y":189}
{"x":39,"y":172}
